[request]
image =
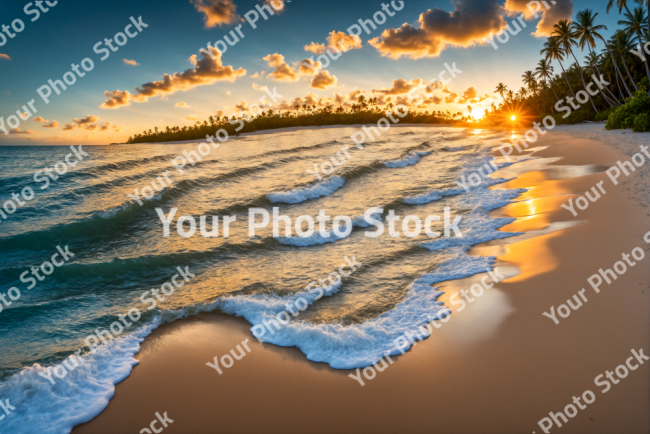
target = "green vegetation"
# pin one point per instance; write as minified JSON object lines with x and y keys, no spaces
{"x":362,"y":113}
{"x":623,"y":103}
{"x":635,"y":113}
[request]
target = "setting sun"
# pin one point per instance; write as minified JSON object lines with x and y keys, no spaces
{"x":513,"y":117}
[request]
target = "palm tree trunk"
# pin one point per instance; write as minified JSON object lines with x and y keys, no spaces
{"x":584,"y":85}
{"x":606,"y":88}
{"x":609,"y":101}
{"x":616,"y":67}
{"x":628,"y":73}
{"x":566,"y":77}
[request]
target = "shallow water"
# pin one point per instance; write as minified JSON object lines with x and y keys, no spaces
{"x":120,"y":252}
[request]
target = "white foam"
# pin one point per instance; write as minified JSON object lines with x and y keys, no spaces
{"x":314,"y":191}
{"x":78,"y":397}
{"x":410,"y":159}
{"x":434,"y":195}
{"x":352,"y":346}
{"x":316,"y":238}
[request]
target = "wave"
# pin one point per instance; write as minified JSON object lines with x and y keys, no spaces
{"x":411,"y":158}
{"x":316,"y":238}
{"x":290,"y":151}
{"x":359,"y":345}
{"x":434,"y":195}
{"x":314,"y":191}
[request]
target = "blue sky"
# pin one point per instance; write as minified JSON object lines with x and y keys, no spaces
{"x":66,"y":34}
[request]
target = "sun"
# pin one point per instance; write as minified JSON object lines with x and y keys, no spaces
{"x":513,"y":117}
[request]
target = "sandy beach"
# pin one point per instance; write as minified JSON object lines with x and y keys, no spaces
{"x":498,"y":366}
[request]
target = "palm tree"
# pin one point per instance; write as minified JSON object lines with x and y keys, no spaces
{"x":553,"y":50}
{"x":511,"y":95}
{"x":591,"y":61}
{"x":522,"y":93}
{"x":501,"y":90}
{"x":622,"y":4}
{"x":622,"y":44}
{"x":587,"y":32}
{"x":563,"y":30}
{"x":529,"y":79}
{"x":545,"y":70}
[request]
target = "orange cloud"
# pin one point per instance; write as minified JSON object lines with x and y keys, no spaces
{"x":309,"y":67}
{"x":276,"y":5}
{"x":181,"y":104}
{"x":468,"y":95}
{"x":282,"y":71}
{"x":118,"y":128}
{"x":191,"y":118}
{"x":131,"y":62}
{"x":323,"y":80}
{"x":336,"y":41}
{"x":217,"y":12}
{"x":467,"y":25}
{"x":53,"y":124}
{"x":559,"y":10}
{"x":400,"y":86}
{"x":207,"y":70}
{"x":19,"y":131}
{"x":5,"y":56}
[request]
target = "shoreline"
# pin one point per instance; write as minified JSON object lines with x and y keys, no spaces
{"x":502,"y":362}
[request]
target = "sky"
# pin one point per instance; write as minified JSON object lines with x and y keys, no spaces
{"x":159,"y":76}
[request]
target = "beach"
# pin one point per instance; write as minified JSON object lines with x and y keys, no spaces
{"x":497,"y":366}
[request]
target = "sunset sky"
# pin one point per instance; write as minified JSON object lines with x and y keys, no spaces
{"x":412,"y":45}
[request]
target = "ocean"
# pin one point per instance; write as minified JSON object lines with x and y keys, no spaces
{"x":121,"y":253}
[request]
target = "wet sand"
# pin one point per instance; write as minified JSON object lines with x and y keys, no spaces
{"x":498,"y":366}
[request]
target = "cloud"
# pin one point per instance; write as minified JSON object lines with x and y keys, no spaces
{"x":39,"y":119}
{"x":217,"y":12}
{"x":207,"y":70}
{"x":243,"y":106}
{"x":282,"y":71}
{"x":118,"y":128}
{"x":131,"y":62}
{"x":53,"y":124}
{"x":559,"y":10}
{"x":308,"y":67}
{"x":181,"y":104}
{"x":18,"y":131}
{"x":323,"y":80}
{"x":5,"y":56}
{"x":400,"y":86}
{"x":336,"y":41}
{"x":191,"y":118}
{"x":105,"y":126}
{"x":86,"y":123}
{"x":220,"y":113}
{"x":276,"y":5}
{"x":256,"y":75}
{"x":451,"y":98}
{"x":228,"y":93}
{"x":469,"y":94}
{"x":315,"y":48}
{"x":89,"y":119}
{"x":467,"y":25}
{"x":258,"y":87}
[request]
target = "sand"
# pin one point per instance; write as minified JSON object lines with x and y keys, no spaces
{"x":499,"y":366}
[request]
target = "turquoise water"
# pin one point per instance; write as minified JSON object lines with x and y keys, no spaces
{"x":120,"y":252}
